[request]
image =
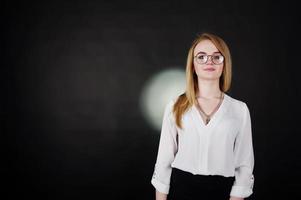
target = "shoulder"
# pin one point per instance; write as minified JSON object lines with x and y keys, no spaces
{"x":169,"y":106}
{"x":170,"y":103}
{"x":237,"y":104}
{"x":173,"y":100}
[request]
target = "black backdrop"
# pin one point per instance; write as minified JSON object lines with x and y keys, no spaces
{"x":72,"y":73}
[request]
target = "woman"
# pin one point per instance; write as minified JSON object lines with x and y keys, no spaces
{"x":205,"y":149}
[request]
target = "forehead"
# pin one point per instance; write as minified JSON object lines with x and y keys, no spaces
{"x":205,"y":46}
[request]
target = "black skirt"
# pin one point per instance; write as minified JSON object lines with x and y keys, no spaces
{"x":186,"y":186}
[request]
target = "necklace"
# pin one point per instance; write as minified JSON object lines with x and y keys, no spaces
{"x":208,"y":117}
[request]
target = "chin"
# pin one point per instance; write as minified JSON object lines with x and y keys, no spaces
{"x":209,"y":78}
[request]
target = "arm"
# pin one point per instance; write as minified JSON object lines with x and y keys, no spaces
{"x":236,"y":198}
{"x":166,"y":153}
{"x":160,"y":196}
{"x":244,"y":159}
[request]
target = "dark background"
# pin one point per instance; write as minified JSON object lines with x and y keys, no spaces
{"x":72,"y":73}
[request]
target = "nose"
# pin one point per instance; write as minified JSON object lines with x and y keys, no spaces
{"x":209,"y":59}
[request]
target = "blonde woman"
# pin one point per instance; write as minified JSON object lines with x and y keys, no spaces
{"x":205,"y":149}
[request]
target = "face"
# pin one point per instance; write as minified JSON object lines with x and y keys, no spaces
{"x":208,"y":67}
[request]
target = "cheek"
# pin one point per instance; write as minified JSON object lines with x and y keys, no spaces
{"x":195,"y":67}
{"x":220,"y":69}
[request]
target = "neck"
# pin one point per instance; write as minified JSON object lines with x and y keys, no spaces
{"x":208,"y":89}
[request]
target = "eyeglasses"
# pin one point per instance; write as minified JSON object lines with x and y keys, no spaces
{"x":215,"y":58}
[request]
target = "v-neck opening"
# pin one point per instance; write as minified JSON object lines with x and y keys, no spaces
{"x":215,"y":115}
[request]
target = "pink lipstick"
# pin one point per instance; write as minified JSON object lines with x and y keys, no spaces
{"x":209,"y":69}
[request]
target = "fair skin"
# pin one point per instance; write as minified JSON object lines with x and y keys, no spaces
{"x":160,"y":196}
{"x":208,"y":81}
{"x":208,"y":84}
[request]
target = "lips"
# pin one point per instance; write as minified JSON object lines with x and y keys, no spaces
{"x":209,"y":69}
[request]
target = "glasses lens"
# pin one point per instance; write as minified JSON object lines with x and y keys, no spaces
{"x":201,"y":58}
{"x":217,"y":59}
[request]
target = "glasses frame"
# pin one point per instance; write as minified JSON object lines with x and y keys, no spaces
{"x":207,"y":58}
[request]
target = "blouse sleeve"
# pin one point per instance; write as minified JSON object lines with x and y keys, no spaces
{"x":244,"y":159}
{"x":166,"y":151}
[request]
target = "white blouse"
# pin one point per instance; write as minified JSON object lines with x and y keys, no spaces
{"x":222,"y":147}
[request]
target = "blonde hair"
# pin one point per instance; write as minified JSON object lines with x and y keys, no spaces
{"x":187,"y":99}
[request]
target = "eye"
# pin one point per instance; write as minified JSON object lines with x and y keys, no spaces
{"x":218,"y":58}
{"x":202,"y":57}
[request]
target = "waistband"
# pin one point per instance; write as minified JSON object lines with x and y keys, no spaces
{"x":181,"y":174}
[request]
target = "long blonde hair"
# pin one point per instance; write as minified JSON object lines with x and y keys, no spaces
{"x":187,"y":99}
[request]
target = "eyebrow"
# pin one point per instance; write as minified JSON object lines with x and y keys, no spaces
{"x":202,"y":52}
